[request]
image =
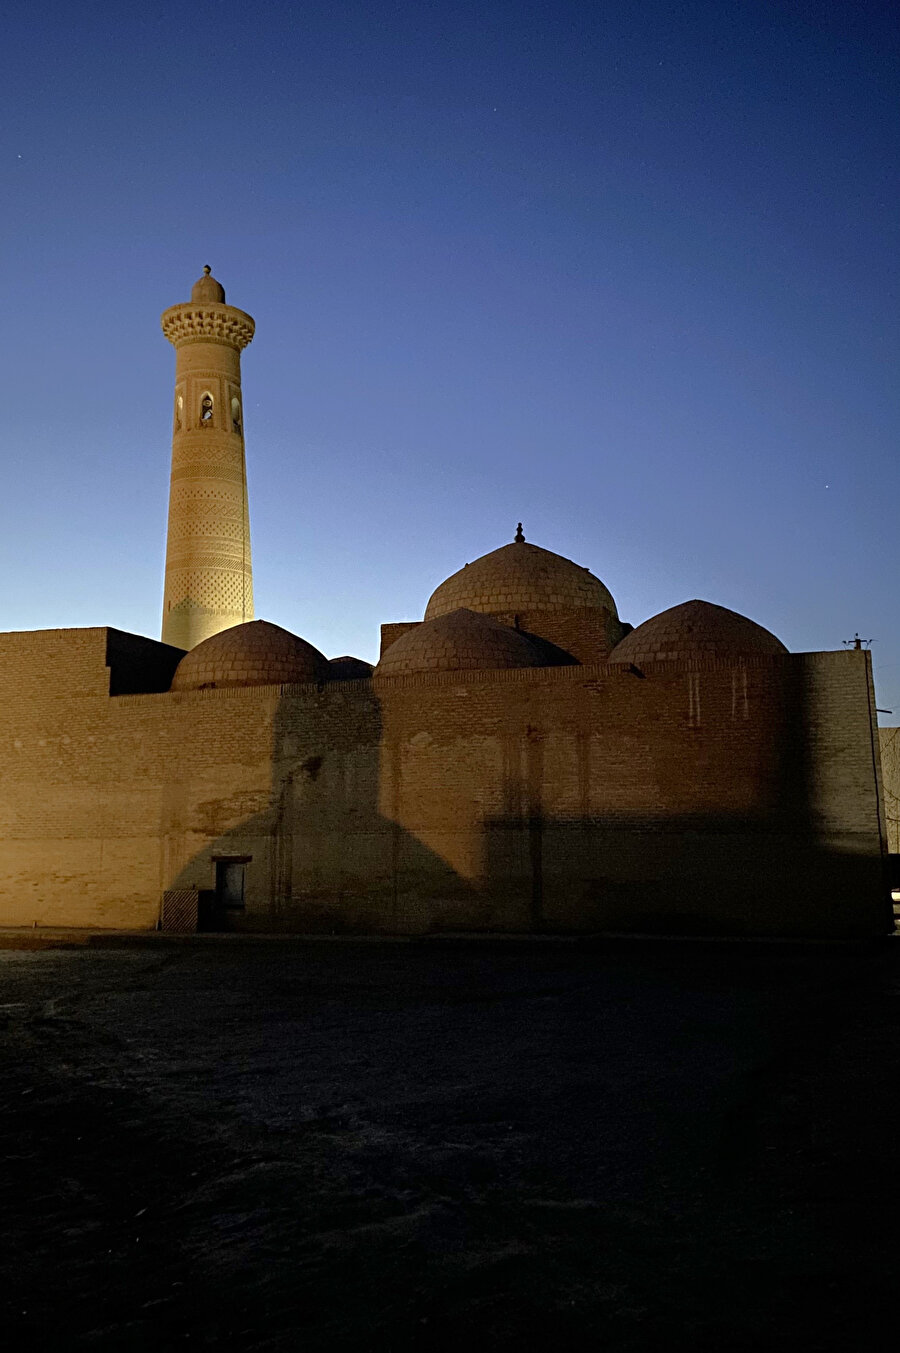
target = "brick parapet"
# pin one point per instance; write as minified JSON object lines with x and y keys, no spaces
{"x":584,"y":673}
{"x":392,"y":631}
{"x":599,"y":671}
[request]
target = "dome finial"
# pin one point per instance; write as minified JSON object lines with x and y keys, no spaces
{"x":519,"y":538}
{"x":207,"y":269}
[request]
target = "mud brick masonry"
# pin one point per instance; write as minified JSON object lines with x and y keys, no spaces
{"x":520,"y":760}
{"x":209,"y":582}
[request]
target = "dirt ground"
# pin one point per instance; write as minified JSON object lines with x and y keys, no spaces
{"x":441,"y":1146}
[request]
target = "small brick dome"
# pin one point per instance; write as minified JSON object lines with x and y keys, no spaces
{"x":519,"y":577}
{"x":461,"y":641}
{"x":254,"y":654}
{"x":348,"y":669}
{"x":695,"y":629}
{"x":207,"y":288}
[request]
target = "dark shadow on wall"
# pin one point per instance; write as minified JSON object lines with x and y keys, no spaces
{"x":139,"y":666}
{"x":331,"y":853}
{"x":760,"y":872}
{"x":321,"y":857}
{"x":693,"y":875}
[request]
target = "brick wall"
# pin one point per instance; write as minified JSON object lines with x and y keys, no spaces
{"x":81,"y":780}
{"x":588,"y":634}
{"x":717,"y":799}
{"x":889,"y":739}
{"x":390,"y":633}
{"x":723,"y":798}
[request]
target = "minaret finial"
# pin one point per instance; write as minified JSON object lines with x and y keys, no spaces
{"x":207,"y":269}
{"x":520,"y":539}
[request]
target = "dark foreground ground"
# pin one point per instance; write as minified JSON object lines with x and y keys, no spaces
{"x":449,"y":1146}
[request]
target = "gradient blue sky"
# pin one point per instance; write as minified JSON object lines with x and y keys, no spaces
{"x":626,"y":272}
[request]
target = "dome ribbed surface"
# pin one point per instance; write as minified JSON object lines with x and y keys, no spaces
{"x":206,"y":288}
{"x":461,"y":641}
{"x":695,"y":629}
{"x":255,"y":654}
{"x":519,"y":578}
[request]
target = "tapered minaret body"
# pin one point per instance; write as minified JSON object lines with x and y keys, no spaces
{"x":209,"y":583}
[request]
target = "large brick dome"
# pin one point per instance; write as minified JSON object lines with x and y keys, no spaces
{"x":461,"y":641}
{"x":695,"y":629}
{"x":257,"y":653}
{"x":520,"y":578}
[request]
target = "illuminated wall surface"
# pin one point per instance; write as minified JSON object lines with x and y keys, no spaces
{"x":716,"y":797}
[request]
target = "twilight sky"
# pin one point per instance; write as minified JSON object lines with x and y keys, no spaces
{"x":626,"y":272}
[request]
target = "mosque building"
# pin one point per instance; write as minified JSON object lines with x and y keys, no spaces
{"x":519,"y":760}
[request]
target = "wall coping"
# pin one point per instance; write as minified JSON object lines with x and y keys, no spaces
{"x":539,"y":676}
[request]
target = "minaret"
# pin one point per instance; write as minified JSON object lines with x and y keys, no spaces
{"x":209,"y":582}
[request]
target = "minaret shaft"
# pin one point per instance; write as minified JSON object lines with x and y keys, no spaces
{"x":209,"y":581}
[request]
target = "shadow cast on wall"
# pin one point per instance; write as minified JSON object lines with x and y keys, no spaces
{"x":320,"y":856}
{"x":383,"y":813}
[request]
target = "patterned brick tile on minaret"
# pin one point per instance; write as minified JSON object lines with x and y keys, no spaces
{"x":209,"y":580}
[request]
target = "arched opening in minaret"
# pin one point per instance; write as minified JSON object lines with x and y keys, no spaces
{"x":179,"y":412}
{"x":236,"y":414}
{"x":206,"y":410}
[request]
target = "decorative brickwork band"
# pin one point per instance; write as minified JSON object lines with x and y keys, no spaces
{"x":208,"y":324}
